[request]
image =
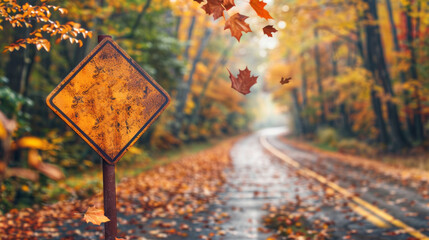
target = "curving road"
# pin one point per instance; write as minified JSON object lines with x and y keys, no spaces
{"x":358,"y":203}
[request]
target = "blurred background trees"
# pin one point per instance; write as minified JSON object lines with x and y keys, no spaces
{"x":360,"y":71}
{"x":174,"y":41}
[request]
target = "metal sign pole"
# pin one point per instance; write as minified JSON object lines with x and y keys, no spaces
{"x":109,"y":190}
{"x":109,"y":193}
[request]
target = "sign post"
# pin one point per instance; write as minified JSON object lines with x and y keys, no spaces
{"x":109,"y":190}
{"x":109,"y":101}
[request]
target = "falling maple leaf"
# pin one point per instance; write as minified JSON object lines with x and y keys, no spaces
{"x":269,"y":30}
{"x":236,"y":25}
{"x":243,"y":82}
{"x":228,"y":4}
{"x":214,"y":7}
{"x":258,"y":6}
{"x":285,"y":80}
{"x":95,"y":216}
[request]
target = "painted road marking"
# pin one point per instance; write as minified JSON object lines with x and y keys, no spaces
{"x":374,"y":214}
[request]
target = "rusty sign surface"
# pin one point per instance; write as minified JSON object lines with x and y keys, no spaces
{"x":108,"y":100}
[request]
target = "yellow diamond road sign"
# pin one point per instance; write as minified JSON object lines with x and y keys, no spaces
{"x":109,"y":100}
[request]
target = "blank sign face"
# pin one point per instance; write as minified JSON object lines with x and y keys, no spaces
{"x":108,"y":100}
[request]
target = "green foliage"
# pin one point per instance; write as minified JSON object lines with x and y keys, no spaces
{"x":18,"y":193}
{"x":354,"y":146}
{"x":328,"y":136}
{"x":12,"y":104}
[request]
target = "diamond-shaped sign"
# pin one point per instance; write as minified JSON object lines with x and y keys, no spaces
{"x":109,"y":100}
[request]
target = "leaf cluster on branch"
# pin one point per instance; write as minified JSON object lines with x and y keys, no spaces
{"x":38,"y":18}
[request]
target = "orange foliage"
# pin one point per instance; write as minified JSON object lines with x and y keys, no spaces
{"x":27,"y":15}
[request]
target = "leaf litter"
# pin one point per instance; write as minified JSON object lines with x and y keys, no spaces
{"x":181,"y":191}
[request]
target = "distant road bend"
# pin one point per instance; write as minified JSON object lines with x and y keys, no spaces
{"x":388,"y":209}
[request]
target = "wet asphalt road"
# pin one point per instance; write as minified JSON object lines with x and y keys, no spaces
{"x":259,"y":178}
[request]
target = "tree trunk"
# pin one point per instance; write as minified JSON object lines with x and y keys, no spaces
{"x":376,"y":105}
{"x":347,"y":129}
{"x":418,"y":125}
{"x":20,"y":63}
{"x":406,"y":93}
{"x":178,"y":22}
{"x":319,"y":78}
{"x":298,"y":119}
{"x":188,"y":43}
{"x":375,"y":100}
{"x":377,"y":64}
{"x":185,"y":87}
{"x":304,"y":81}
{"x":220,"y":63}
{"x":304,"y":93}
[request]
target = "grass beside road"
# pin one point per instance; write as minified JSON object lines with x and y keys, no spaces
{"x":414,"y":165}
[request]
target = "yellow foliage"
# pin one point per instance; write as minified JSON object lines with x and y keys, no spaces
{"x":25,"y":188}
{"x":3,"y":132}
{"x":135,"y":150}
{"x":33,"y":142}
{"x":34,"y":158}
{"x":190,"y":105}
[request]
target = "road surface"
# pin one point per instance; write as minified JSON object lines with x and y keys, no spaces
{"x":360,"y":204}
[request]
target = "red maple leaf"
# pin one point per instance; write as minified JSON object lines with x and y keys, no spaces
{"x":216,"y":7}
{"x":228,"y":4}
{"x":243,"y":82}
{"x":285,"y":80}
{"x":269,"y":30}
{"x":198,"y":1}
{"x":237,"y":25}
{"x":258,"y":6}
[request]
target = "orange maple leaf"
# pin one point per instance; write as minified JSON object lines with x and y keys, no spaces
{"x":237,"y":25}
{"x":243,"y":82}
{"x":214,"y":7}
{"x":258,"y":6}
{"x":269,"y":30}
{"x":95,"y":216}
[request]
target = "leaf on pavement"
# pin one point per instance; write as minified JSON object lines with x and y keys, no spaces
{"x":258,"y":6}
{"x":269,"y":30}
{"x":236,"y":24}
{"x":243,"y":82}
{"x":95,"y":216}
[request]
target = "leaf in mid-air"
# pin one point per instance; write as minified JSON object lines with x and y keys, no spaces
{"x":243,"y":82}
{"x":237,"y":25}
{"x":214,"y":7}
{"x":95,"y":216}
{"x":258,"y":6}
{"x":285,"y":80}
{"x":228,"y":4}
{"x":269,"y":30}
{"x":198,"y":1}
